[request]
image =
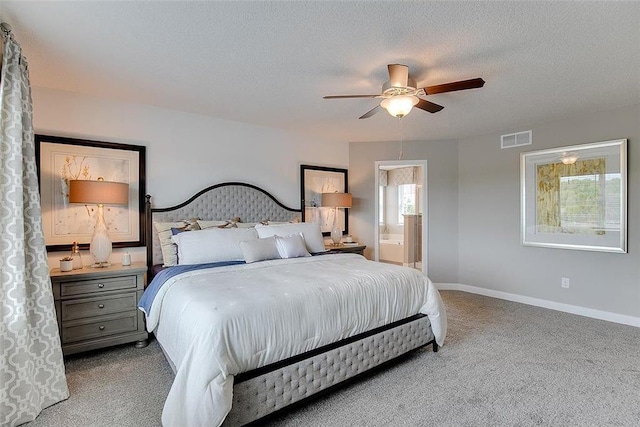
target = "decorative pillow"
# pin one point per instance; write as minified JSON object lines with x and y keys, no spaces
{"x":291,"y":246}
{"x":212,"y":245}
{"x":175,"y":231}
{"x":214,"y":224}
{"x":169,"y":249}
{"x":259,"y":250}
{"x":245,"y":224}
{"x":231,"y":223}
{"x":293,"y":221}
{"x":310,"y":231}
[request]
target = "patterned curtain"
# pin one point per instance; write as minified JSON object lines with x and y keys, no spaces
{"x":383,"y":178}
{"x":31,"y":366}
{"x":401,"y":176}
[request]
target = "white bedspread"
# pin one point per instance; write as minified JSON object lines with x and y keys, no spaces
{"x":216,"y":323}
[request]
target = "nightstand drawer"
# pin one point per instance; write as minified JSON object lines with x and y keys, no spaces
{"x":97,"y":285}
{"x":112,"y":325}
{"x":98,"y":306}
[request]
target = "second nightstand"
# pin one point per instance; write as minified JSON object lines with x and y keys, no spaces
{"x":97,"y":307}
{"x":341,"y":248}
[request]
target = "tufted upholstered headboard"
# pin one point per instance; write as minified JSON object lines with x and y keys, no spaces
{"x":218,"y":202}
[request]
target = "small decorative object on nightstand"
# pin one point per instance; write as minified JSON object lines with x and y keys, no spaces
{"x":346,"y":248}
{"x":97,"y":308}
{"x":66,"y":263}
{"x":77,"y":258}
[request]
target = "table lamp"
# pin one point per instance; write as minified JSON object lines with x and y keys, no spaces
{"x":100,"y":193}
{"x":336,"y":201}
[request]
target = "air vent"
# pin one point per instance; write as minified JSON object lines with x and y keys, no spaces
{"x":515,"y":139}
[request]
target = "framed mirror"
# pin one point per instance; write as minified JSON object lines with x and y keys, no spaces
{"x":316,"y":180}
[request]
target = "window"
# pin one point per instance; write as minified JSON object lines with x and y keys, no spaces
{"x":406,"y":201}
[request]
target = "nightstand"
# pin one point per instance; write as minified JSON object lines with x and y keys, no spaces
{"x":97,"y":307}
{"x":341,"y":248}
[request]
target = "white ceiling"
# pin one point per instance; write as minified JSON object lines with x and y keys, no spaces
{"x":269,"y":63}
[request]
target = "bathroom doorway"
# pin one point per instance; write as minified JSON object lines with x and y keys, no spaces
{"x":401,"y":213}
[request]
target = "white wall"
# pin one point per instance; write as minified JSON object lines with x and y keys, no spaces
{"x":187,"y":152}
{"x":490,"y":254}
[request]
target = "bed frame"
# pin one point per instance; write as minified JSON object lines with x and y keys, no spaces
{"x":264,"y":391}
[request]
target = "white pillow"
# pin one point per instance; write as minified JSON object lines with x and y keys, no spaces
{"x":169,"y":250}
{"x":310,"y":231}
{"x":212,"y":245}
{"x":259,"y":250}
{"x":291,"y":246}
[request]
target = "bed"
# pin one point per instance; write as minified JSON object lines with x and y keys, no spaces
{"x":249,"y":339}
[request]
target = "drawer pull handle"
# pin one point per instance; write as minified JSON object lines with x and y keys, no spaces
{"x":100,"y":305}
{"x":101,"y":327}
{"x":101,"y":285}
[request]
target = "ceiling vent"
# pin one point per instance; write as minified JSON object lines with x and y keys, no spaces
{"x":515,"y":139}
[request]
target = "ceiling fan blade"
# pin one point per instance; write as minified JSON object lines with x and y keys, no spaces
{"x":425,"y":105}
{"x":398,"y":75}
{"x":348,"y":96}
{"x":370,"y":112}
{"x":454,"y":86}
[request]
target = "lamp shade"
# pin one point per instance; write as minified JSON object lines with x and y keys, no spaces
{"x":336,"y":200}
{"x":98,"y":192}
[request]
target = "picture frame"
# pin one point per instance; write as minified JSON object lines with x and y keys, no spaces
{"x":575,"y":197}
{"x":315,"y":180}
{"x":60,"y":159}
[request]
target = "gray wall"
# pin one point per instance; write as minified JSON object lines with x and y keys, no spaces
{"x":490,"y":254}
{"x":442,"y":182}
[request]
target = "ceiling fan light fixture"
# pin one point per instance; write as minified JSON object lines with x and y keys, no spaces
{"x":399,"y":105}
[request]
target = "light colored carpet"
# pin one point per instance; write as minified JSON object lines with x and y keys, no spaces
{"x":503,"y":364}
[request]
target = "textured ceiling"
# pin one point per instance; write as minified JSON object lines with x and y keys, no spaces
{"x":270,"y":63}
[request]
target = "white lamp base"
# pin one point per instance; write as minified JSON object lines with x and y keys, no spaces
{"x":336,"y":231}
{"x":100,"y":246}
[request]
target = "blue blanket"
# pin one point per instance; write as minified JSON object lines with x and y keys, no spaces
{"x":161,"y":278}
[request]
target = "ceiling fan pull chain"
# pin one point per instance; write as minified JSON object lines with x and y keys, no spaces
{"x":401,"y":139}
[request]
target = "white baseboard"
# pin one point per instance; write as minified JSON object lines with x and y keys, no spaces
{"x":558,"y":306}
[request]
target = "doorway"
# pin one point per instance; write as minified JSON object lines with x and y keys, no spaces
{"x":401,"y":213}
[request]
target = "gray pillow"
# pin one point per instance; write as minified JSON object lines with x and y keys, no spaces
{"x":259,"y":250}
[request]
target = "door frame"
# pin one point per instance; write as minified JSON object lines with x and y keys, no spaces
{"x":425,"y":212}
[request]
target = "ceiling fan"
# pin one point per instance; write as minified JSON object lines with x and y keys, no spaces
{"x":400,"y":93}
